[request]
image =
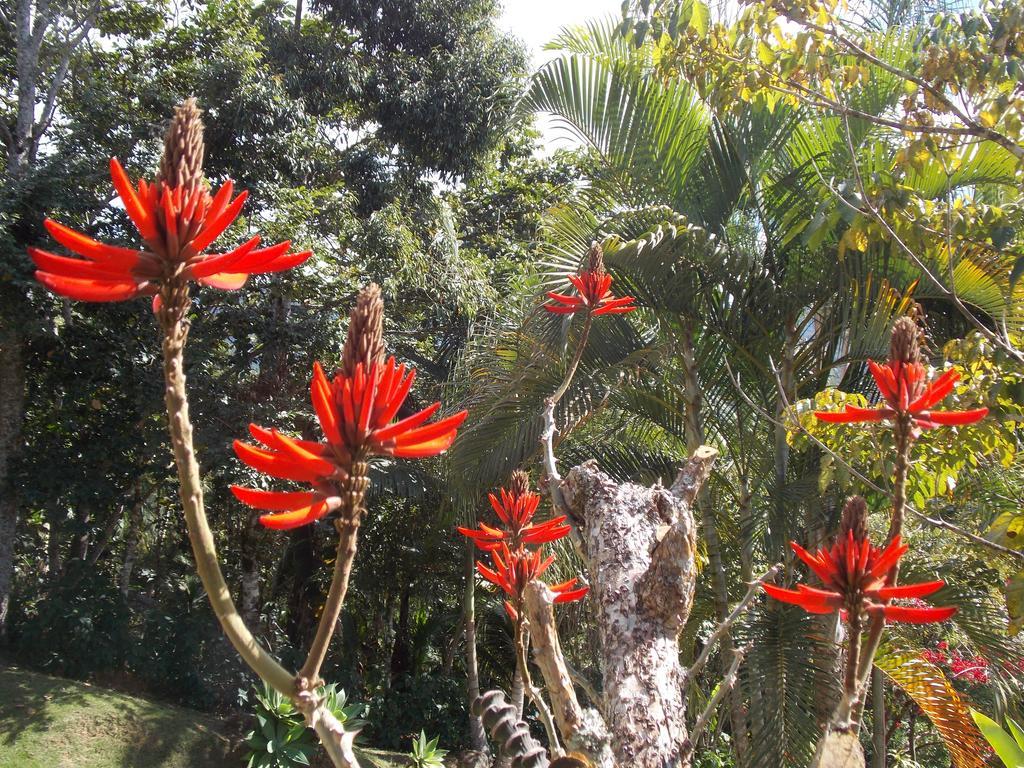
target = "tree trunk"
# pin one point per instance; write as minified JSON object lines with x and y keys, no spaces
{"x":694,"y":429}
{"x":249,"y":581}
{"x":640,"y":547}
{"x":477,"y":737}
{"x":132,"y":538}
{"x":401,"y":648}
{"x":12,"y":415}
{"x":877,"y":719}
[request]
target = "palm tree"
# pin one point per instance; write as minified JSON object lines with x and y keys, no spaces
{"x":724,"y":225}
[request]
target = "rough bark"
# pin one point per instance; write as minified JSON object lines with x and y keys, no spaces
{"x":582,"y":730}
{"x":878,"y":720}
{"x":640,"y":547}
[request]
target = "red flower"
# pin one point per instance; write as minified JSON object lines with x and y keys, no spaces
{"x":516,"y":511}
{"x":514,"y":569}
{"x":355,"y":414}
{"x":515,"y":564}
{"x":853,"y":573}
{"x":177,"y":224}
{"x":594,"y":287}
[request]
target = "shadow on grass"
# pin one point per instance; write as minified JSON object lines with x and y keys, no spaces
{"x":135,"y":733}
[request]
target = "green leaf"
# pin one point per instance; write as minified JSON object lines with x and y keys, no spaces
{"x":1016,"y":730}
{"x":1004,"y":745}
{"x":1016,"y":272}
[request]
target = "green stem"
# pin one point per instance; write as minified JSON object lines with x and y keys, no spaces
{"x":348,"y":534}
{"x":199,"y":533}
{"x":574,"y":364}
{"x":904,"y":441}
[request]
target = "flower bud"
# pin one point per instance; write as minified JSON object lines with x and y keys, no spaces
{"x":182,"y":162}
{"x":365,"y":342}
{"x":855,"y":518}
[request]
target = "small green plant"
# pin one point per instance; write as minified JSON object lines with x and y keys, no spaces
{"x":425,"y":753}
{"x":280,"y":738}
{"x":1009,"y":746}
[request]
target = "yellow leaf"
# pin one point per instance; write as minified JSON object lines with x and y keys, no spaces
{"x":927,"y":685}
{"x":1015,"y":603}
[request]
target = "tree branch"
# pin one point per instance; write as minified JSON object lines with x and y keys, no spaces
{"x":723,"y":690}
{"x":691,"y":674}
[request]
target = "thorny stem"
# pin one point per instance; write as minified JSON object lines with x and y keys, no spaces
{"x":546,"y":718}
{"x":175,"y":334}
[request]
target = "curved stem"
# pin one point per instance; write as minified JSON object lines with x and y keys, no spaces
{"x":571,"y":370}
{"x":332,"y":735}
{"x":199,"y":533}
{"x":535,"y":696}
{"x":348,"y":530}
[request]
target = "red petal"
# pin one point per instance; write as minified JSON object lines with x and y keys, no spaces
{"x":287,"y":520}
{"x":88,"y":290}
{"x":936,"y":391}
{"x":76,"y":242}
{"x":275,"y":464}
{"x":399,"y":428}
{"x":223,"y":262}
{"x":395,"y":398}
{"x":281,"y":263}
{"x":225,"y":281}
{"x":907,"y":590}
{"x":560,"y":310}
{"x":142,"y":217}
{"x":323,"y":405}
{"x":882,"y":376}
{"x":955,"y":418}
{"x":916,"y":615}
{"x":568,"y":597}
{"x":272,"y":500}
{"x":79,"y":268}
{"x":429,"y":432}
{"x":214,"y":228}
{"x":574,"y":301}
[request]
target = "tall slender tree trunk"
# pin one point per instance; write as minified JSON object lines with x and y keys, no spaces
{"x":878,"y":724}
{"x":249,"y":580}
{"x":132,"y":539}
{"x":12,"y":415}
{"x":477,"y":737}
{"x":720,"y":589}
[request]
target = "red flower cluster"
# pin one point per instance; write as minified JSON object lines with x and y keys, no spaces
{"x":516,"y":511}
{"x":906,"y":392}
{"x":515,"y":565}
{"x":853,"y":573}
{"x":594,"y":286}
{"x":973,"y":669}
{"x":355,"y":414}
{"x":177,"y":224}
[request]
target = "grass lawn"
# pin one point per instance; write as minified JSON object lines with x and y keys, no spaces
{"x":49,"y":722}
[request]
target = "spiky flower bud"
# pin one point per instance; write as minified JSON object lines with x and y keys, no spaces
{"x":182,"y":162}
{"x":855,"y":518}
{"x":519,"y":484}
{"x":905,"y":346}
{"x":365,"y":342}
{"x":595,"y":259}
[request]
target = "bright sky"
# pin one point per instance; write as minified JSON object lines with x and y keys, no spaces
{"x":536,"y":22}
